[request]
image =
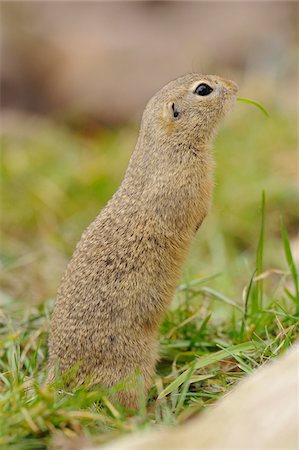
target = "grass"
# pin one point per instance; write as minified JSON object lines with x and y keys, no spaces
{"x":201,"y":358}
{"x":237,"y":305}
{"x":253,"y":102}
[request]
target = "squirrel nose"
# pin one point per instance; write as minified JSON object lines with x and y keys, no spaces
{"x":232,"y":86}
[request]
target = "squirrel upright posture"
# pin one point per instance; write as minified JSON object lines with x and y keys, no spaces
{"x":125,"y":268}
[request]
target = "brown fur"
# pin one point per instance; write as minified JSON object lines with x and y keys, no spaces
{"x":125,"y":268}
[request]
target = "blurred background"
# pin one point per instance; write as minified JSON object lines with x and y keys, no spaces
{"x":75,"y":77}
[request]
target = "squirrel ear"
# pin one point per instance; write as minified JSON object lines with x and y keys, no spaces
{"x":171,"y":111}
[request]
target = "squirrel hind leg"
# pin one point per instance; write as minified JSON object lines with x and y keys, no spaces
{"x":131,"y":390}
{"x":131,"y":398}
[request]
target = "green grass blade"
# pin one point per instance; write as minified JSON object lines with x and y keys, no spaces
{"x":203,"y":280}
{"x":260,"y":249}
{"x":290,"y":295}
{"x":243,"y":366}
{"x":185,"y":389}
{"x":257,"y":300}
{"x":290,"y":261}
{"x":204,"y":361}
{"x":219,"y":296}
{"x":246,"y":304}
{"x":204,"y":324}
{"x":253,"y":102}
{"x":248,"y":295}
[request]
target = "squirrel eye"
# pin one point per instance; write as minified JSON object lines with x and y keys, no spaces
{"x":203,"y":89}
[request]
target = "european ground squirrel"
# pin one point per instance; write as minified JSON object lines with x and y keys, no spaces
{"x":125,"y":268}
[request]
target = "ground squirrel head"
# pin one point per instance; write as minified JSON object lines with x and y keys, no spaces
{"x":188,"y":110}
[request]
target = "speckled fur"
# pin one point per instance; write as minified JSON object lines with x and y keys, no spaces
{"x":125,"y":268}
